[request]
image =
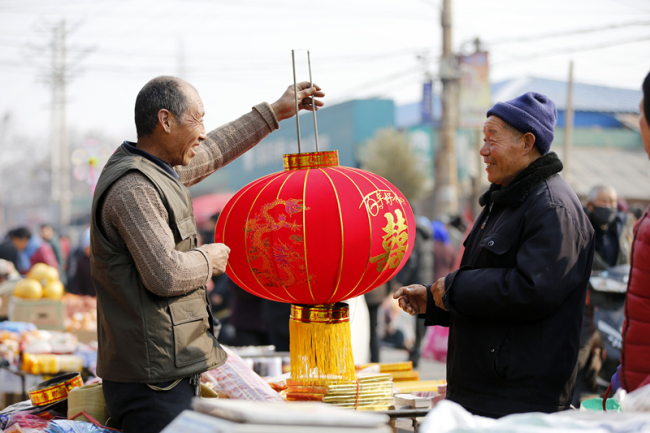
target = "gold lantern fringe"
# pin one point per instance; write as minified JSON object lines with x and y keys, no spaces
{"x":320,"y":345}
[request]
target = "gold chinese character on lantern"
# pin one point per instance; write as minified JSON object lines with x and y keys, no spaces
{"x":395,"y":242}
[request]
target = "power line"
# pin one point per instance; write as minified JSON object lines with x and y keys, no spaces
{"x":408,"y":73}
{"x":573,"y":50}
{"x":567,"y":33}
{"x":631,"y":6}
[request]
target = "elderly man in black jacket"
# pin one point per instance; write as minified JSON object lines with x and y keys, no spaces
{"x":514,"y":307}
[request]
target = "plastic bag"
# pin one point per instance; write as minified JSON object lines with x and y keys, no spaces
{"x":637,"y":400}
{"x":450,"y":417}
{"x":237,"y":380}
{"x":27,"y":423}
{"x":435,"y":343}
{"x":67,"y":426}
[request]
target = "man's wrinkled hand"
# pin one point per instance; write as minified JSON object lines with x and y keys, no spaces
{"x":285,"y":107}
{"x":219,"y":254}
{"x":412,"y":299}
{"x":438,"y":291}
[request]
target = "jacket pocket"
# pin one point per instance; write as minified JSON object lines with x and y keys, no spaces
{"x":186,"y":227}
{"x":190,"y":324}
{"x":502,"y":359}
{"x":496,"y":244}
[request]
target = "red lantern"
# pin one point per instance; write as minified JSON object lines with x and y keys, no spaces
{"x":316,"y":233}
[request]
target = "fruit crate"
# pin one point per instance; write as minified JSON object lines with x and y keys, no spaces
{"x":44,"y":313}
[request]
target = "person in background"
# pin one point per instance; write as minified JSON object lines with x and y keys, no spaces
{"x":48,"y":234}
{"x":246,"y":318}
{"x":8,"y":278}
{"x":417,"y":270}
{"x":15,"y":249}
{"x":611,"y":228}
{"x":81,"y":282}
{"x":374,"y":299}
{"x":514,"y":307}
{"x":39,"y":251}
{"x":613,"y":240}
{"x":7,"y":269}
{"x":457,"y":229}
{"x":9,"y":251}
{"x":444,"y":251}
{"x":634,"y":370}
{"x":634,"y":214}
{"x":221,"y":296}
{"x":275,"y":316}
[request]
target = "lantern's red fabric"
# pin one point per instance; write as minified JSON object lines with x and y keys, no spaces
{"x":316,"y":236}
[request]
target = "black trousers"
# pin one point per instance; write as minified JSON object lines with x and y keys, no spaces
{"x":136,"y":408}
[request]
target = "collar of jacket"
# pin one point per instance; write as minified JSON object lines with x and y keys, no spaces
{"x":514,"y":194}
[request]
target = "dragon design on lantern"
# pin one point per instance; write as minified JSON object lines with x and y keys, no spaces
{"x":278,"y":256}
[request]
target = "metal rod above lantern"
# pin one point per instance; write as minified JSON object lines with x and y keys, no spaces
{"x":313,"y":235}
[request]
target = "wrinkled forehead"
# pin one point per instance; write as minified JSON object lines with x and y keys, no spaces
{"x":494,"y":124}
{"x":195,"y":101}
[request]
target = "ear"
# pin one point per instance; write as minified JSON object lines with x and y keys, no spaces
{"x":165,"y":119}
{"x":529,"y":142}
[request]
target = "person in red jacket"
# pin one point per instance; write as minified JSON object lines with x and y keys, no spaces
{"x":634,"y":371}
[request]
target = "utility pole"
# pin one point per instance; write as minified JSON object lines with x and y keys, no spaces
{"x":58,"y":77}
{"x":446,"y":172}
{"x":568,"y":124}
{"x":181,"y":65}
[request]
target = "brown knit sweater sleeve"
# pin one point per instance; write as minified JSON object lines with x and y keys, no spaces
{"x":227,"y":142}
{"x":135,"y":219}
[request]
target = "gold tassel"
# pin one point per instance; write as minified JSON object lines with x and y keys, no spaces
{"x":320,"y":344}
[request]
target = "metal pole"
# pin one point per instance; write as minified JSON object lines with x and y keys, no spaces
{"x":313,"y":99}
{"x":568,"y":124}
{"x":295,"y":89}
{"x":446,"y":171}
{"x":66,"y":194}
{"x":55,"y":193}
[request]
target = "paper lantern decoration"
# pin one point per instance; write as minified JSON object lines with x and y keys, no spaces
{"x":314,"y":235}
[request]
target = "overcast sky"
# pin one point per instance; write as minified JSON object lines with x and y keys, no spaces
{"x":238,"y":52}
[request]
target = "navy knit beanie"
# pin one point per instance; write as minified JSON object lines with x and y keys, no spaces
{"x":531,"y":112}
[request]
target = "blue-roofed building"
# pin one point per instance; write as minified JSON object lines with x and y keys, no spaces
{"x":606,"y":148}
{"x":593,"y":105}
{"x":606,"y":144}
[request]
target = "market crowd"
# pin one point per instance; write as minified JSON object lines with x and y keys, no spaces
{"x":513,"y":289}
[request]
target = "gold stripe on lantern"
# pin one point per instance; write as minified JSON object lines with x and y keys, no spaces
{"x":300,"y":161}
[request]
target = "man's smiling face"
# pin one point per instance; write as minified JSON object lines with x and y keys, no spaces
{"x":502,"y":151}
{"x":188,"y":132}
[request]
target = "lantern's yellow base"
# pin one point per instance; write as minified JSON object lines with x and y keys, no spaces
{"x":321,"y":349}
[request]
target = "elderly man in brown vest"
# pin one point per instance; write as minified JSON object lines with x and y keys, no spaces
{"x":154,"y":322}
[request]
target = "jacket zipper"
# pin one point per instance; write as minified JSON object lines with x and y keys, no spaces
{"x":487,"y":217}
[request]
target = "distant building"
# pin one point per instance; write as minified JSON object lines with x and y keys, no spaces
{"x":607,"y":146}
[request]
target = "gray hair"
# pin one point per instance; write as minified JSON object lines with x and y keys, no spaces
{"x":595,"y":191}
{"x":512,"y":130}
{"x":163,"y":92}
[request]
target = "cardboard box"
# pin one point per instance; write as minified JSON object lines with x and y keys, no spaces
{"x":85,"y":336}
{"x":4,"y":307}
{"x":44,"y":313}
{"x":6,"y":292}
{"x":9,"y":398}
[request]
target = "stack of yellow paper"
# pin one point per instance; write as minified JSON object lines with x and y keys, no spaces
{"x":371,"y":392}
